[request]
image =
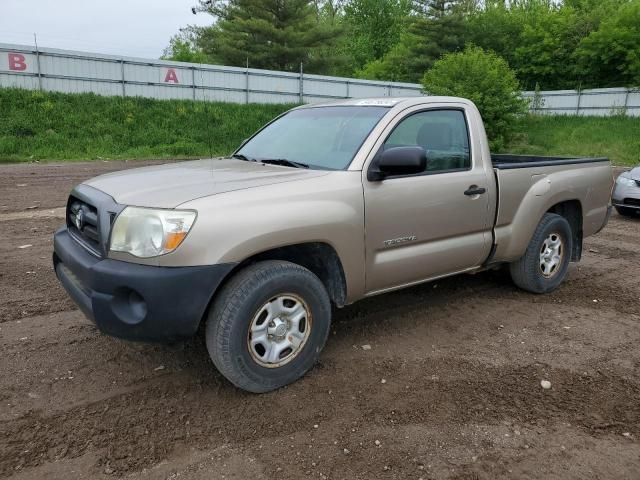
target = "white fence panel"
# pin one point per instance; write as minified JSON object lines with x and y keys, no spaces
{"x":18,"y":81}
{"x":320,"y":87}
{"x":273,"y":98}
{"x":79,"y":68}
{"x":633,"y":102}
{"x":405,"y":90}
{"x":233,"y":80}
{"x":75,"y":72}
{"x":19,"y":62}
{"x":362,"y":90}
{"x":594,"y":102}
{"x":266,"y":82}
{"x":80,"y":86}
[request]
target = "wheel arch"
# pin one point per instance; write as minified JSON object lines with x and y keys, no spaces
{"x":513,"y":236}
{"x":571,"y":210}
{"x":318,"y":257}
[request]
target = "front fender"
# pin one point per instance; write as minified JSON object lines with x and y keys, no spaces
{"x":240,"y":224}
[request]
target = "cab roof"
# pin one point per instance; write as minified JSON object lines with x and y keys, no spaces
{"x":387,"y":101}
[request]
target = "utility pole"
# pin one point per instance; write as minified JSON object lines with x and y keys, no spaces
{"x":35,"y":40}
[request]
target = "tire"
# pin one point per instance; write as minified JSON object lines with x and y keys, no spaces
{"x":626,"y":212}
{"x":250,"y":306}
{"x":528,"y":272}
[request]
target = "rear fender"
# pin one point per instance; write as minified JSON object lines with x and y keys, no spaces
{"x":527,"y":194}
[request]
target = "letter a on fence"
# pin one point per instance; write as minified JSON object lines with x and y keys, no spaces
{"x":171,"y":76}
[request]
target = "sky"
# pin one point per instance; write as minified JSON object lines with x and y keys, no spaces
{"x":135,"y":28}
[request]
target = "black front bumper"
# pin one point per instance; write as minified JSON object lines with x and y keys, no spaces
{"x":132,"y":301}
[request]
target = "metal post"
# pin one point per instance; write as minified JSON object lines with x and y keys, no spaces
{"x":301,"y":94}
{"x":348,"y":93}
{"x":247,"y":82}
{"x":124,"y":92}
{"x":626,"y":99}
{"x":193,"y":82}
{"x":579,"y":96}
{"x":35,"y":40}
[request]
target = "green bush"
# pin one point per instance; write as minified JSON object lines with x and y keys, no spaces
{"x":486,"y":79}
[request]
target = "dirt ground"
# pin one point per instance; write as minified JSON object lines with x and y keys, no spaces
{"x":450,"y":388}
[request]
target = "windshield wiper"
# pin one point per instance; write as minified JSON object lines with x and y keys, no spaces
{"x":284,"y":162}
{"x":240,"y":156}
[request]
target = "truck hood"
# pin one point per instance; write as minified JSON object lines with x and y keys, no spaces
{"x":169,"y":185}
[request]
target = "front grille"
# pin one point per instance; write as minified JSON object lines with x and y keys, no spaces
{"x":637,"y":182}
{"x":632,"y":201}
{"x":82,"y":223}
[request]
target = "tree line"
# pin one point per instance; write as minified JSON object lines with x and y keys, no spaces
{"x":550,"y":44}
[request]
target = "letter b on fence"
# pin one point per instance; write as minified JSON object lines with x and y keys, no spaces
{"x":17,"y":62}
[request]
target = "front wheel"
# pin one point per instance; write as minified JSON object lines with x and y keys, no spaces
{"x":545,"y":263}
{"x":268,"y":325}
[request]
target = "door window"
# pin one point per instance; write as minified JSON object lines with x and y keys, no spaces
{"x":442,"y":133}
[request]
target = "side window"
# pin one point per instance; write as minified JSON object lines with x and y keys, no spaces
{"x":442,"y":133}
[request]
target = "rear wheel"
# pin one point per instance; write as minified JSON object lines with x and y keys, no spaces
{"x":625,"y":211}
{"x":545,"y":263}
{"x":268,"y":325}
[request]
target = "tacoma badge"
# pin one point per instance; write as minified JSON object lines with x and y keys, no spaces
{"x":396,"y":241}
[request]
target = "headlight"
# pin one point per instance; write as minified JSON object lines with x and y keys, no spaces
{"x":146,"y":232}
{"x":626,"y":181}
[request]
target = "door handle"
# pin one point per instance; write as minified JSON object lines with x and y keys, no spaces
{"x":475,"y":190}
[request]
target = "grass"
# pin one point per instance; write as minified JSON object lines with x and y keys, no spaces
{"x":616,"y":137}
{"x":56,"y":126}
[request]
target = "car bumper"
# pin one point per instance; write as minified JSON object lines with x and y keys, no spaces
{"x":132,"y":301}
{"x":626,"y":196}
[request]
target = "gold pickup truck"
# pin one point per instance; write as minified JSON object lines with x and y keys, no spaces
{"x":325,"y":205}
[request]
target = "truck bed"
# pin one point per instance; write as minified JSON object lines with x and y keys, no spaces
{"x":505,"y":161}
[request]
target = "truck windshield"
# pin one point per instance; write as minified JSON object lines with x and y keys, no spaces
{"x":320,"y":137}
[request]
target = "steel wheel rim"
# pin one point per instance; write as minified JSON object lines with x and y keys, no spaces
{"x":551,"y":255}
{"x":279,"y":330}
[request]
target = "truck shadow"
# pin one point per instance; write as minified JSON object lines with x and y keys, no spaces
{"x":422,"y":298}
{"x":375,"y":314}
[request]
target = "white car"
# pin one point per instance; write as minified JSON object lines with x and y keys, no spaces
{"x":626,"y":193}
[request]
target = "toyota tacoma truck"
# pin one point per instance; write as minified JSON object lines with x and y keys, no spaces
{"x":325,"y":205}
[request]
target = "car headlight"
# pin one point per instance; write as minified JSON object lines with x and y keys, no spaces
{"x":146,"y":232}
{"x":626,"y":181}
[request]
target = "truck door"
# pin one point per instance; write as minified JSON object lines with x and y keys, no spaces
{"x":434,"y":223}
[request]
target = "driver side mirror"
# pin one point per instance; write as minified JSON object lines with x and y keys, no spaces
{"x":397,"y":161}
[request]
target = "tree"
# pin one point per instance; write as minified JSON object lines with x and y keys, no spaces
{"x":553,"y":43}
{"x":497,"y":28}
{"x":183,"y":48}
{"x":610,"y":56}
{"x":373,"y":27}
{"x":427,"y":38}
{"x":487,"y":80}
{"x":547,"y":43}
{"x":334,"y":57}
{"x":271,"y":34}
{"x":542,"y":40}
